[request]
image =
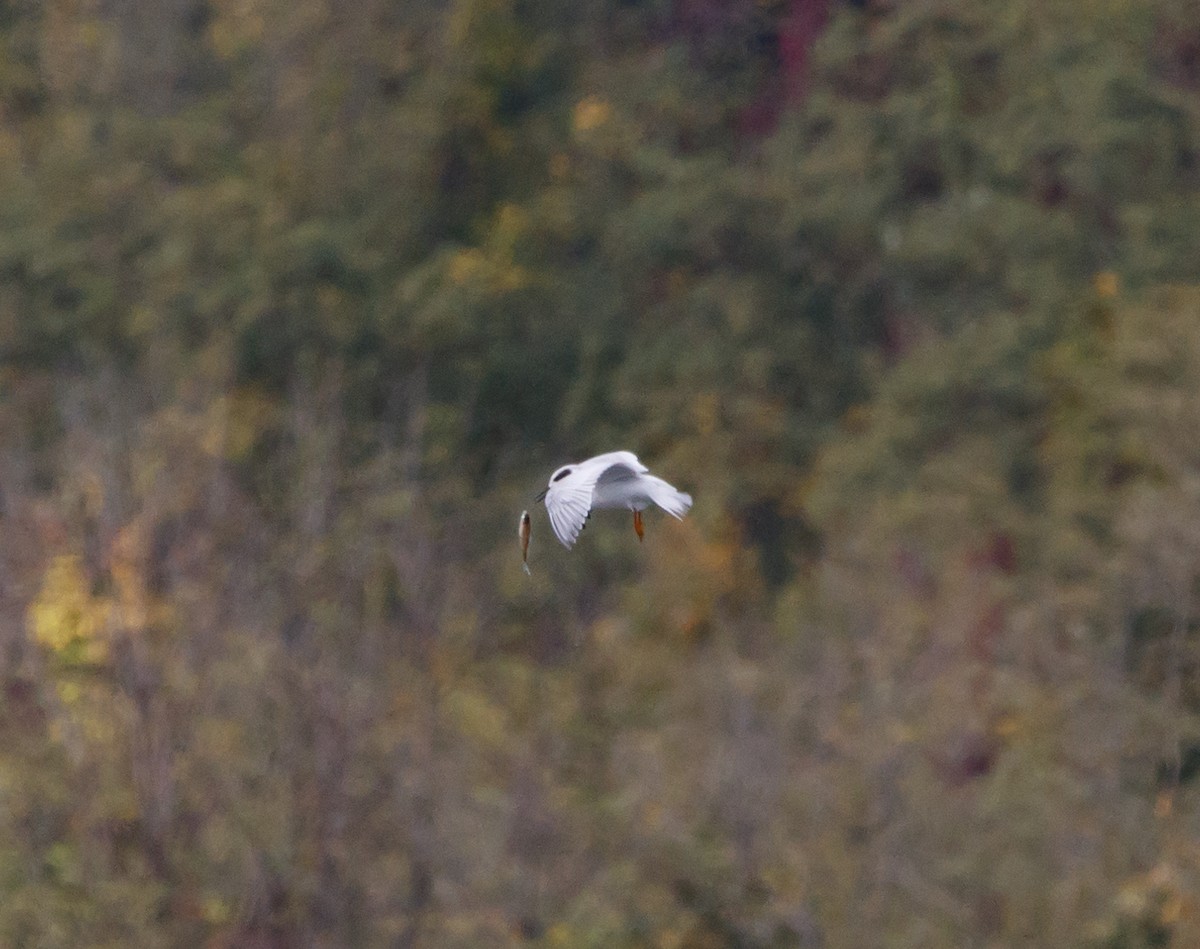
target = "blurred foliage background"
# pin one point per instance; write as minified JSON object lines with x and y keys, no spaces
{"x":301,"y":301}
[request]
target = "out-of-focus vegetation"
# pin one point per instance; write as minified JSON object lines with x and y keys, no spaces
{"x":301,"y":301}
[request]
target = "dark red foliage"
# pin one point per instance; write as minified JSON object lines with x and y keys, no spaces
{"x":798,"y":31}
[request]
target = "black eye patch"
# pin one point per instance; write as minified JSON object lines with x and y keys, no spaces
{"x":562,"y":474}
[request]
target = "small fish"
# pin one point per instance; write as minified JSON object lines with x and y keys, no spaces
{"x":523,"y":533}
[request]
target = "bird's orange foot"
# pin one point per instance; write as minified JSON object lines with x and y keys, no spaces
{"x":637,"y":524}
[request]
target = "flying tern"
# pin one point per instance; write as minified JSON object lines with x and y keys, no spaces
{"x":612,"y":480}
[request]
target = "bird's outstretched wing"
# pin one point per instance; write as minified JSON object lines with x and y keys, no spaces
{"x":569,"y":501}
{"x":614,"y":459}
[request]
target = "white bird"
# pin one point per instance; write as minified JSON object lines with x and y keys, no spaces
{"x":613,"y":480}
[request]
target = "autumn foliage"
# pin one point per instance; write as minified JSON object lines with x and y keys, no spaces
{"x":300,"y":304}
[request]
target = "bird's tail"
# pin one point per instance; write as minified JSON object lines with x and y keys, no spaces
{"x":675,"y":503}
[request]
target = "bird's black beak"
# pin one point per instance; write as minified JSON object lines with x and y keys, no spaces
{"x":542,"y":494}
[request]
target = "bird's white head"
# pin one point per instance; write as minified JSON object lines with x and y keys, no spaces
{"x":561,"y":473}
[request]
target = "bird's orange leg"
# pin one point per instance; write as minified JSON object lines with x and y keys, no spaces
{"x":637,"y":523}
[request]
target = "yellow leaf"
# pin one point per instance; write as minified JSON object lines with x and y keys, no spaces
{"x":65,"y":615}
{"x":591,"y":113}
{"x":1107,"y":285}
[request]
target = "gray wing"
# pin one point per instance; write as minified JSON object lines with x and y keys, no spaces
{"x":619,"y":471}
{"x":615,"y":459}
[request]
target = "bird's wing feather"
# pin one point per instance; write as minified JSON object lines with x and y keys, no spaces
{"x":568,"y":503}
{"x":626,"y":459}
{"x":618,"y":471}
